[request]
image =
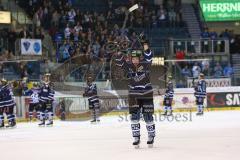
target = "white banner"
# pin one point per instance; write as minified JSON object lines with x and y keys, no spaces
{"x":180,"y":101}
{"x":219,"y":82}
{"x":31,"y":47}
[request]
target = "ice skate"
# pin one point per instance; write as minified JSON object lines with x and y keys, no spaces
{"x":11,"y":124}
{"x":49,"y":124}
{"x":165,"y":113}
{"x":170,"y":113}
{"x":150,"y":142}
{"x":42,"y":123}
{"x":199,"y":113}
{"x":136,"y":142}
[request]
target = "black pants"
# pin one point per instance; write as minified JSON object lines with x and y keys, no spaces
{"x":141,"y":104}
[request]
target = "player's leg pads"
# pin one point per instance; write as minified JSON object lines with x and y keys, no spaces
{"x":135,"y":128}
{"x":151,"y":129}
{"x":49,"y":111}
{"x":135,"y":125}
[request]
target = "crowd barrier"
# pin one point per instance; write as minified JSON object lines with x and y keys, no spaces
{"x":77,"y":106}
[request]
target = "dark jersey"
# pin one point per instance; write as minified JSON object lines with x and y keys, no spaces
{"x":6,"y":96}
{"x":138,"y":77}
{"x":200,"y":89}
{"x":91,"y":93}
{"x":46,"y":93}
{"x":169,"y":91}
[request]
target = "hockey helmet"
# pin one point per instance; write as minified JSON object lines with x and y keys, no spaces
{"x":4,"y":81}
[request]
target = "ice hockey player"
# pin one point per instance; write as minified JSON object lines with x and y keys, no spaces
{"x":93,"y":100}
{"x":168,"y":98}
{"x":34,"y":101}
{"x":7,"y":104}
{"x":200,"y":94}
{"x":46,"y":100}
{"x":137,"y":66}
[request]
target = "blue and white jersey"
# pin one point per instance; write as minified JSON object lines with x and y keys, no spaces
{"x":6,"y":96}
{"x":169,"y":91}
{"x":138,"y":77}
{"x":91,"y":93}
{"x":34,"y":95}
{"x":200,"y":89}
{"x":46,"y":93}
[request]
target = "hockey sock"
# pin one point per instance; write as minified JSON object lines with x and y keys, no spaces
{"x":38,"y":115}
{"x":151,"y":129}
{"x":165,"y":108}
{"x":135,"y":128}
{"x":93,"y":114}
{"x":97,"y":114}
{"x":42,"y":116}
{"x":30,"y":115}
{"x":50,"y":116}
{"x":169,"y":108}
{"x":200,"y":108}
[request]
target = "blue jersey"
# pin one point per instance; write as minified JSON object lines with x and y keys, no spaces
{"x":200,"y":89}
{"x":6,"y":96}
{"x":138,"y":77}
{"x":46,"y":93}
{"x":91,"y":93}
{"x":169,"y":91}
{"x":34,"y":95}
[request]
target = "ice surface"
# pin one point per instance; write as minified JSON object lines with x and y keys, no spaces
{"x":215,"y":136}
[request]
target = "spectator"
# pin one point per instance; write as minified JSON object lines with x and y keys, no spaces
{"x":205,"y":67}
{"x":218,"y":71}
{"x":71,"y":17}
{"x":228,"y":71}
{"x":205,"y":33}
{"x":55,"y":18}
{"x":172,"y":18}
{"x":67,"y":32}
{"x":161,"y":17}
{"x":12,"y":37}
{"x":24,"y":33}
{"x":196,"y":70}
{"x":186,"y":72}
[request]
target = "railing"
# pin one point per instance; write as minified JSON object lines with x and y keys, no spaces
{"x":200,"y":46}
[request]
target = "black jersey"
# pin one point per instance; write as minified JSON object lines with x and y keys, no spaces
{"x":200,"y":89}
{"x":138,"y":77}
{"x":91,"y":93}
{"x":46,"y":93}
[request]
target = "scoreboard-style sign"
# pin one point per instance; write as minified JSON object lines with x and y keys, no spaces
{"x":5,"y":17}
{"x":220,"y":10}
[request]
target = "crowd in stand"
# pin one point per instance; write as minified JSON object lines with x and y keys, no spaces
{"x":77,"y":32}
